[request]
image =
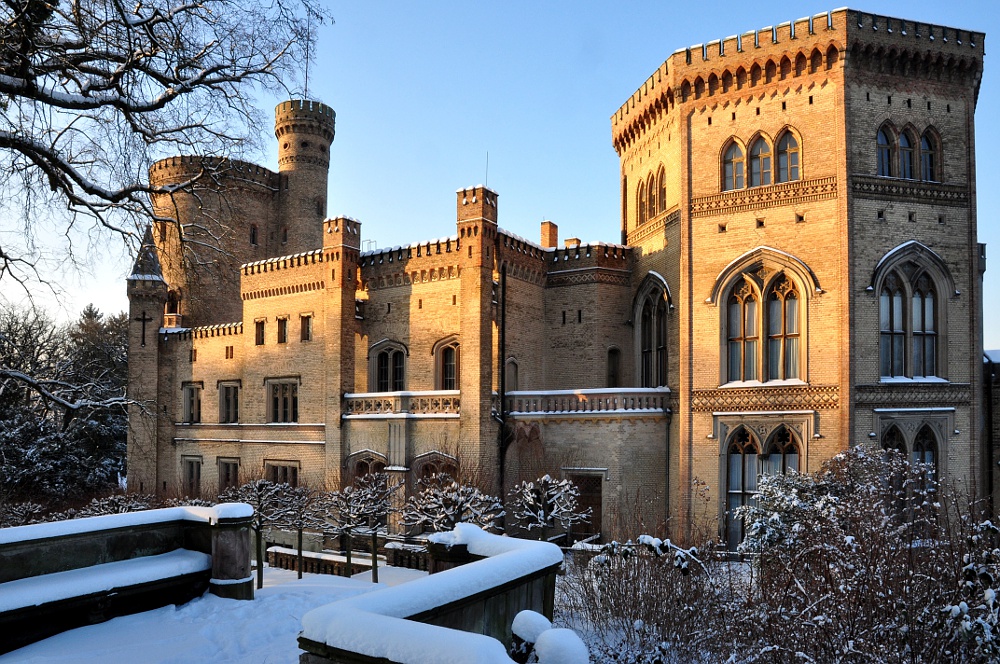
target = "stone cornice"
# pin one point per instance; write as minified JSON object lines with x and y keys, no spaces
{"x":759,"y":198}
{"x":870,"y":186}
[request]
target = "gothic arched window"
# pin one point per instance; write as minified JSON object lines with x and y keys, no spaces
{"x":893,"y":440}
{"x":906,"y":156}
{"x":388,"y":368}
{"x":743,"y":332}
{"x":883,"y":160}
{"x":788,"y":158}
{"x":653,"y":336}
{"x":928,"y":158}
{"x":760,"y":163}
{"x":732,"y":168}
{"x":892,"y":333}
{"x":782,"y":330}
{"x":925,"y":447}
{"x":741,"y":481}
{"x":924,"y":328}
{"x":661,"y":179}
{"x":641,"y":203}
{"x":651,"y":198}
{"x":781,"y":454}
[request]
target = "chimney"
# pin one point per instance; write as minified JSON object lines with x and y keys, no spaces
{"x":572,"y":242}
{"x":550,"y":235}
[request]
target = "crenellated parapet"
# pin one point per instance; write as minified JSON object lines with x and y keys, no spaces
{"x":283,"y":275}
{"x":295,"y":121}
{"x":811,"y":48}
{"x":420,"y":262}
{"x":180,"y":169}
{"x":580,"y":263}
{"x":222,"y":330}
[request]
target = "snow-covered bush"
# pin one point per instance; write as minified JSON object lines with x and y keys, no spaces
{"x":442,"y":502}
{"x":870,"y":560}
{"x":542,"y":506}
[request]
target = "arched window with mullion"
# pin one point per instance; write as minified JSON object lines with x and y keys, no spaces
{"x":732,"y":168}
{"x":741,"y":481}
{"x":892,"y":334}
{"x":906,"y":156}
{"x":781,"y":454}
{"x":924,"y":328}
{"x":760,"y":163}
{"x":883,"y":160}
{"x":788,"y":158}
{"x":646,"y":337}
{"x":782,"y":331}
{"x":925,"y":447}
{"x":742,"y":332}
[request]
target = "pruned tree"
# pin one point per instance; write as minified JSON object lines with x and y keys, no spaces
{"x":546,"y":504}
{"x":262,"y":495}
{"x":442,"y":502}
{"x":366,"y":503}
{"x":295,"y":509}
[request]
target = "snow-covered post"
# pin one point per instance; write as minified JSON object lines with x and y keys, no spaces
{"x":259,"y":494}
{"x":232,"y":577}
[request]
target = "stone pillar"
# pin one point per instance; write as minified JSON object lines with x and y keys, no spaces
{"x":231,"y":574}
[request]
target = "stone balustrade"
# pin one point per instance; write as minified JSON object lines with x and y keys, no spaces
{"x":430,"y":403}
{"x":590,"y":401}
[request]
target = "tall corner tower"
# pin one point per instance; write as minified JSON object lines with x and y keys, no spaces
{"x":477,"y":237}
{"x":305,"y":131}
{"x":147,"y":295}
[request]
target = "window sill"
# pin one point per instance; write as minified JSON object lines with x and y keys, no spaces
{"x":916,"y":379}
{"x":791,"y":382}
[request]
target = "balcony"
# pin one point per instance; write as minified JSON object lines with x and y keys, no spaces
{"x":590,"y":402}
{"x":403,"y":405}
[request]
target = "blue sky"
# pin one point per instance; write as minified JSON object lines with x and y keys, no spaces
{"x":423,"y":91}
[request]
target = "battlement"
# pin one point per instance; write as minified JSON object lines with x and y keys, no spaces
{"x":595,"y":254}
{"x":347,"y":229}
{"x":221,"y":330}
{"x":307,"y":116}
{"x":476,"y":202}
{"x":186,"y":167}
{"x":777,"y":53}
{"x":518,"y":244}
{"x":283,"y":262}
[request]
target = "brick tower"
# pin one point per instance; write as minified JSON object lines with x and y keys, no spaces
{"x":477,"y":233}
{"x":305,"y":132}
{"x":147,"y":294}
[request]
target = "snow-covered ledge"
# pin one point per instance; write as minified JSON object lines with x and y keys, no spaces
{"x":382,"y":626}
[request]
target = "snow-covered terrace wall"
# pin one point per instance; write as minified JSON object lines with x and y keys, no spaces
{"x":60,"y":575}
{"x":413,"y":623}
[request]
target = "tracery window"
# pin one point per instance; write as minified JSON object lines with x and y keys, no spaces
{"x":741,"y":486}
{"x":653,"y":336}
{"x":743,"y":322}
{"x":925,"y":447}
{"x":782,"y":331}
{"x":892,"y":334}
{"x":782,"y":455}
{"x":893,"y":440}
{"x":788,"y":158}
{"x":760,"y":163}
{"x":908,"y":339}
{"x":883,"y":161}
{"x":905,"y":156}
{"x":732,"y":168}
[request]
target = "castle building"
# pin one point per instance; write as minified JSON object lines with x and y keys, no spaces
{"x":798,"y":272}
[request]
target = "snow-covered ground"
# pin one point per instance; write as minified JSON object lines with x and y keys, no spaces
{"x":211,"y":629}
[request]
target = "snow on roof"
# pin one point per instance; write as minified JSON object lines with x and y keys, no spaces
{"x":374,"y":624}
{"x":107,"y":522}
{"x":412,"y":245}
{"x":277,"y":259}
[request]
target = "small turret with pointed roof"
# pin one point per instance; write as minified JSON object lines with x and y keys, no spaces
{"x":147,"y":264}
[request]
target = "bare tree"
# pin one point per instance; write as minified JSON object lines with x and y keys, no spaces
{"x":94,"y":91}
{"x":546,"y":504}
{"x":295,"y":509}
{"x":442,"y":502}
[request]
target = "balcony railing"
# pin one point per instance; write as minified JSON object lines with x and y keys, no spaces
{"x":610,"y":400}
{"x":430,"y":403}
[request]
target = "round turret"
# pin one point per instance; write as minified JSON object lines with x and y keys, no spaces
{"x":305,"y":131}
